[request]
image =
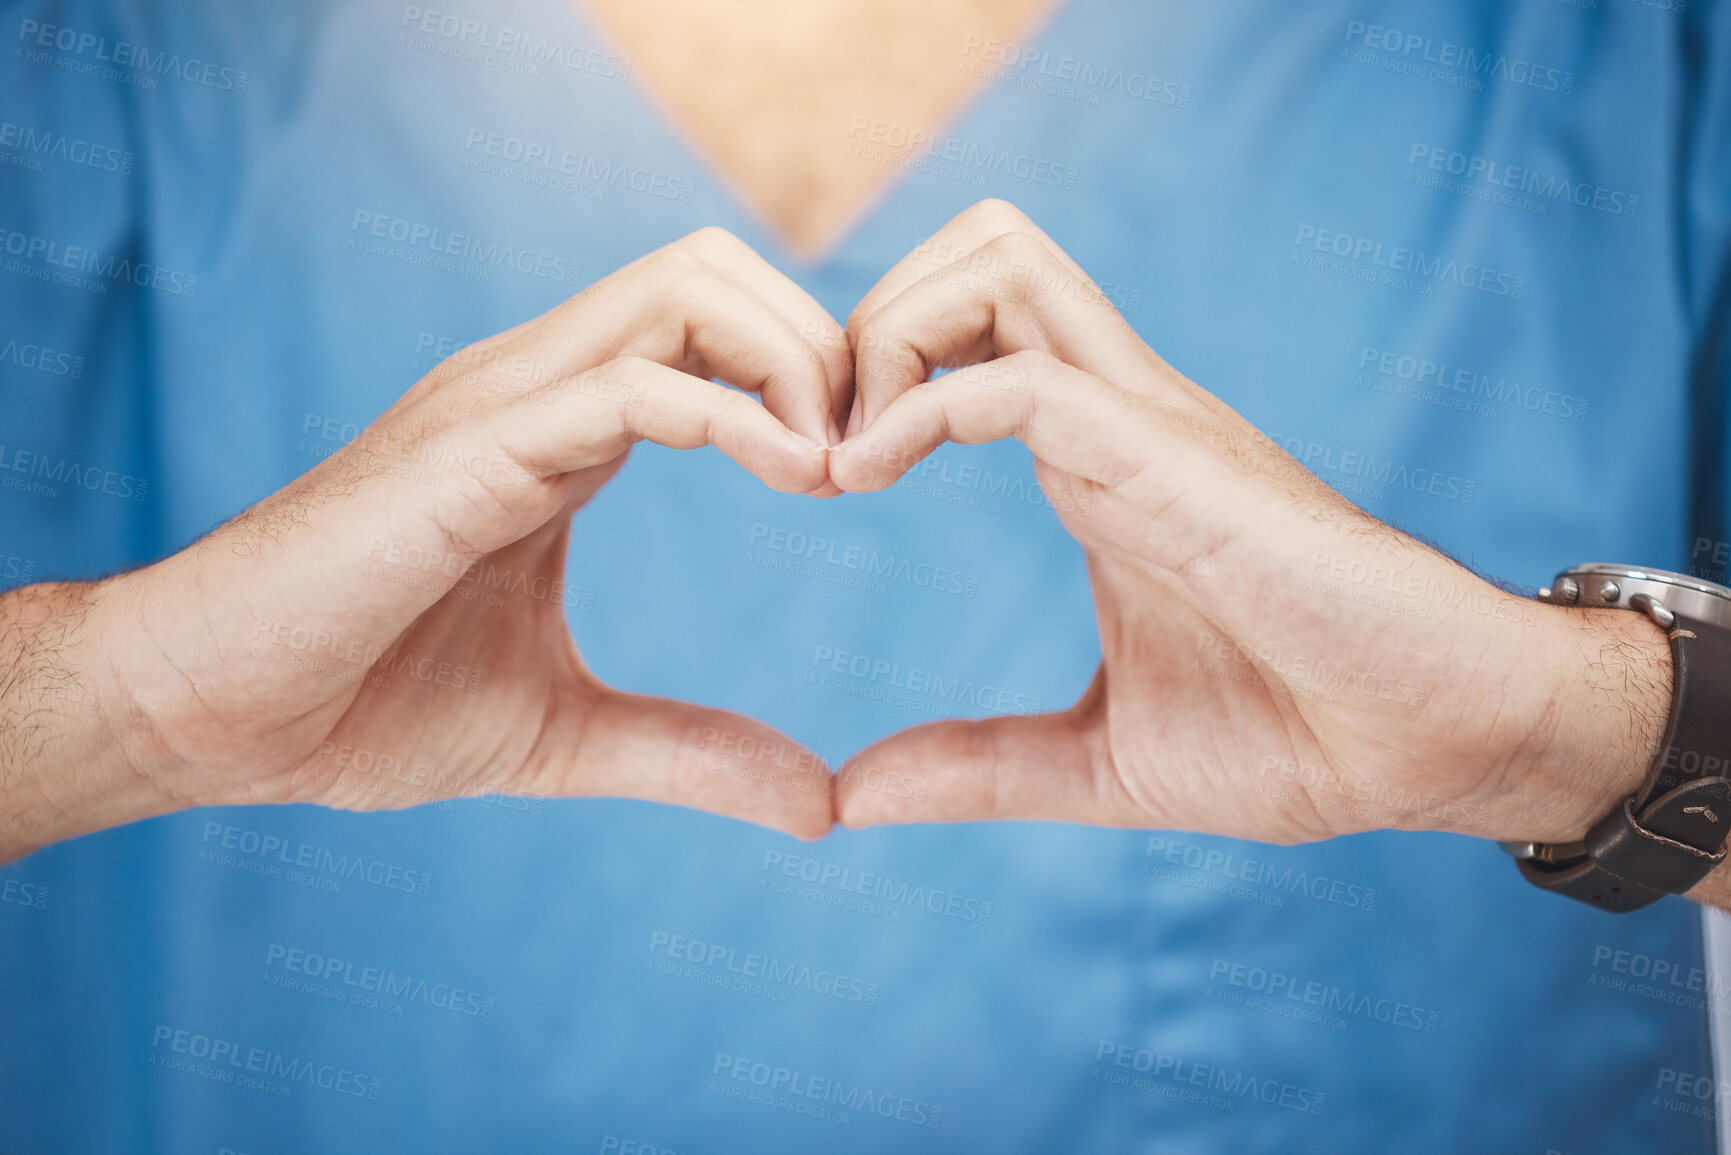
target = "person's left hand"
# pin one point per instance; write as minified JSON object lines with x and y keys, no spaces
{"x":1277,"y":664}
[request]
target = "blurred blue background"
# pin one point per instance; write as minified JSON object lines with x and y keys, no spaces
{"x":544,"y":990}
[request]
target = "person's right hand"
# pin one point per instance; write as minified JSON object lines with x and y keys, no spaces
{"x":325,"y":632}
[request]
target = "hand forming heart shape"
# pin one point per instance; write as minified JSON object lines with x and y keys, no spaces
{"x":1276,"y":663}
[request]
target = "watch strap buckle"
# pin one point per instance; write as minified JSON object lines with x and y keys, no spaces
{"x":1662,"y":845}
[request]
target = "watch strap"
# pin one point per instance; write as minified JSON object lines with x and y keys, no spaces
{"x":1674,"y":843}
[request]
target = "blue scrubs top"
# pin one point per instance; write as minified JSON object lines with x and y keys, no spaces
{"x":1466,"y":261}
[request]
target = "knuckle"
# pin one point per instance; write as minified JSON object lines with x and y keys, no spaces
{"x":1047,"y":362}
{"x":612,"y":390}
{"x":867,"y":336}
{"x":833,"y":355}
{"x":709,"y":237}
{"x":877,"y":342}
{"x":1036,"y":362}
{"x":1020,"y":247}
{"x":673,"y":263}
{"x":627,"y":367}
{"x":858,"y":317}
{"x":707,"y":244}
{"x":999,"y":215}
{"x":732,"y":406}
{"x":827,"y":336}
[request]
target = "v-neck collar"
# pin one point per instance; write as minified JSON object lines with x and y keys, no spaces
{"x":652,"y":108}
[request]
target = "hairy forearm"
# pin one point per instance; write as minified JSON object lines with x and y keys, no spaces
{"x":70,"y":736}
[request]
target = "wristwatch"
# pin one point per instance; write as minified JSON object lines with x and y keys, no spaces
{"x":1671,"y":832}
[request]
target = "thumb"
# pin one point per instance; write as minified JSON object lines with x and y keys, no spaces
{"x":636,"y":746}
{"x":1040,"y":766}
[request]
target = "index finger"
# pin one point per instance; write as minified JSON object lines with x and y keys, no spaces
{"x":965,"y":234}
{"x":946,"y":304}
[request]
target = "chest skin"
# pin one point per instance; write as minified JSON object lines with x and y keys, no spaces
{"x":774,"y":92}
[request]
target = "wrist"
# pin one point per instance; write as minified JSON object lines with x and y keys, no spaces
{"x":76,"y":756}
{"x":145,"y":687}
{"x":1588,"y":702}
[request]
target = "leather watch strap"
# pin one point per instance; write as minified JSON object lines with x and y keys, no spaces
{"x":1671,"y":832}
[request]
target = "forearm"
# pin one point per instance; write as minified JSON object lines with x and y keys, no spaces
{"x":75,"y":749}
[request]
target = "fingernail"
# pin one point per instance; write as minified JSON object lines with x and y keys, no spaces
{"x":814,"y":446}
{"x":834,"y":432}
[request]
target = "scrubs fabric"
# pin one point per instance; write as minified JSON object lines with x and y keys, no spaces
{"x":1466,"y":261}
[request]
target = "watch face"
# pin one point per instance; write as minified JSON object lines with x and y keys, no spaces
{"x":1609,"y":584}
